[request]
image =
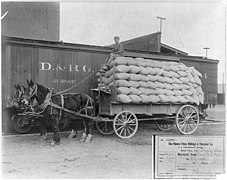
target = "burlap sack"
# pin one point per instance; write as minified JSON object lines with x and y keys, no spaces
{"x":182,"y":99}
{"x":123,"y":98}
{"x":134,"y":69}
{"x":122,"y":83}
{"x":145,"y":98}
{"x":110,"y":79}
{"x":142,"y":63}
{"x":134,"y":77}
{"x":110,"y":72}
{"x":135,"y":98}
{"x":185,"y":86}
{"x":166,"y":68}
{"x":176,"y":86}
{"x":119,"y":61}
{"x":152,"y":92}
{"x":144,"y":84}
{"x":193,"y":90}
{"x":152,"y":85}
{"x":169,"y":92}
{"x":132,"y":61}
{"x":159,"y":71}
{"x":143,"y":77}
{"x":144,"y":91}
{"x":191,"y":78}
{"x":122,"y":76}
{"x":122,"y":69}
{"x":167,"y":86}
{"x":168,"y":80}
{"x":173,"y":99}
{"x":152,"y":78}
{"x":190,"y":99}
{"x":185,"y":80}
{"x":197,"y":80}
{"x":139,"y":59}
{"x":160,"y":78}
{"x":164,"y":98}
{"x":199,"y":89}
{"x":135,"y":91}
{"x":167,"y":74}
{"x":144,"y":71}
{"x":196,"y":73}
{"x":187,"y":92}
{"x":151,"y":71}
{"x":157,"y":64}
{"x":178,"y":92}
{"x":159,"y":85}
{"x":176,"y":81}
{"x":134,"y":84}
{"x":154,"y":99}
{"x":123,"y":90}
{"x":160,"y":90}
{"x":182,"y":67}
{"x":174,"y":68}
{"x":182,"y":73}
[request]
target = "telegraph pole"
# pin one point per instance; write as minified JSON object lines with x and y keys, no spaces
{"x":206,"y":48}
{"x":161,"y":18}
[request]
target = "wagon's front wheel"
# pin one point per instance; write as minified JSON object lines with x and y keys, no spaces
{"x":21,"y":124}
{"x":125,"y":124}
{"x":187,"y":119}
{"x":104,"y":127}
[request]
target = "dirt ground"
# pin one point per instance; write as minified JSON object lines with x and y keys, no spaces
{"x":105,"y":157}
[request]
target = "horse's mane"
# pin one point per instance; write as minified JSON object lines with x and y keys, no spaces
{"x":43,"y":89}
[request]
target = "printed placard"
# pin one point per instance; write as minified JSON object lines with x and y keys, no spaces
{"x":188,"y":157}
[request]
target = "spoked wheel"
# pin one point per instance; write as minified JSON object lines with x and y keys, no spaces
{"x":187,"y":119}
{"x":21,"y":124}
{"x":105,"y":127}
{"x":125,"y":124}
{"x":164,"y":125}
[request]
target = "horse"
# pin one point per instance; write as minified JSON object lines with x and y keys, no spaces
{"x":54,"y":106}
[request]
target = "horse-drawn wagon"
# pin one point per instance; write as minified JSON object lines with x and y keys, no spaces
{"x":123,"y":117}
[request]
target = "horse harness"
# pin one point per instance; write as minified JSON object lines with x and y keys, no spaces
{"x":48,"y":102}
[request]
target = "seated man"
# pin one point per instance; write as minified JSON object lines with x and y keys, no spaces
{"x":117,"y":51}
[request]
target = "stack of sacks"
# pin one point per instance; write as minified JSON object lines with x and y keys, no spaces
{"x":148,"y":81}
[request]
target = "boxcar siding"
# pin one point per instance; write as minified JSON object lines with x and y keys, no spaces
{"x":209,"y":79}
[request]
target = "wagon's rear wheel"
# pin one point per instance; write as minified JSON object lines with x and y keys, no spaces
{"x":104,"y":127}
{"x":164,"y":125}
{"x":21,"y":124}
{"x":187,"y":119}
{"x":125,"y":124}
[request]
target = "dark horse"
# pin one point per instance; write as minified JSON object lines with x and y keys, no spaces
{"x":55,"y":106}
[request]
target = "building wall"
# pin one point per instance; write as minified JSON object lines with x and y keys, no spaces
{"x":34,"y":20}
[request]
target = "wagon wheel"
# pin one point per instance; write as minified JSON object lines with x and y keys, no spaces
{"x":187,"y":119}
{"x":104,"y":127}
{"x":20,"y":124}
{"x":125,"y":124}
{"x":164,"y":125}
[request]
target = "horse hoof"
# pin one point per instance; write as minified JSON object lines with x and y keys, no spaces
{"x":89,"y":138}
{"x":83,"y":138}
{"x":53,"y":143}
{"x":72,"y":135}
